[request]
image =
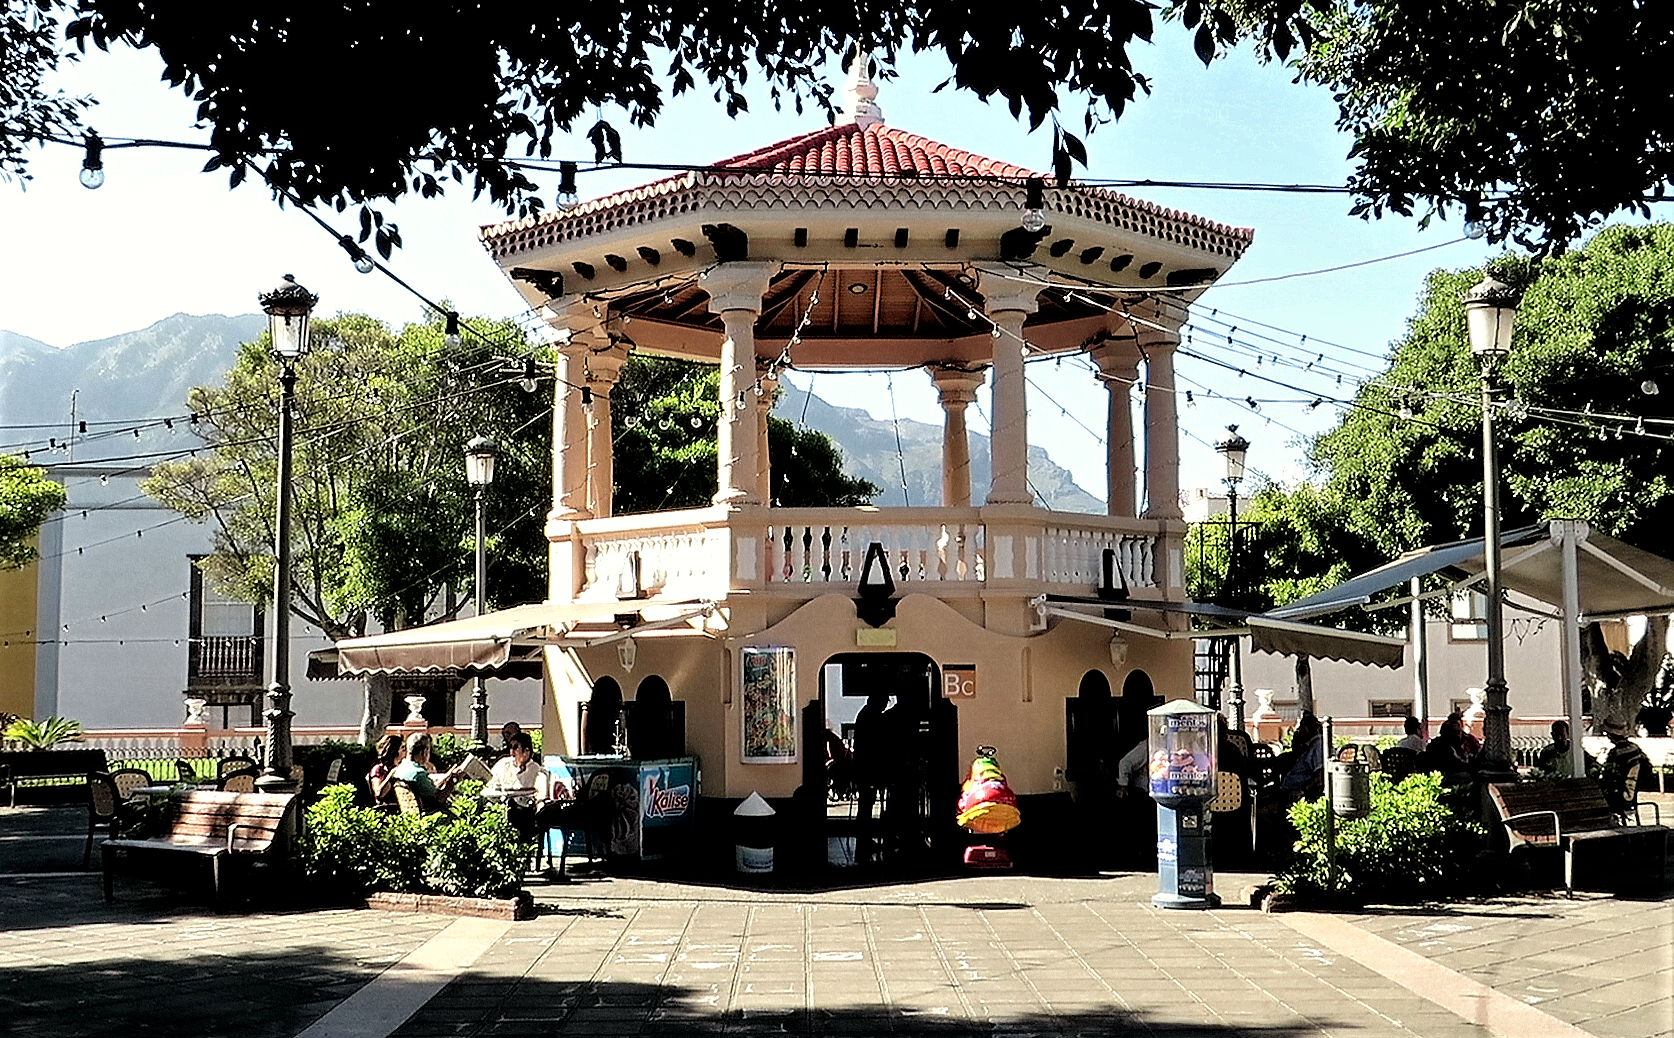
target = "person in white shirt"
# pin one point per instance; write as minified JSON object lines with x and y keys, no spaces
{"x":1414,"y":741}
{"x":534,"y":799}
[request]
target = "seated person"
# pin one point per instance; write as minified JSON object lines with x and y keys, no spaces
{"x":535,"y":800}
{"x":1556,"y":757}
{"x":1305,"y":777}
{"x":1447,"y":752}
{"x":507,"y":730}
{"x":381,"y":779}
{"x":1624,"y":768}
{"x":1413,"y":740}
{"x":432,"y":789}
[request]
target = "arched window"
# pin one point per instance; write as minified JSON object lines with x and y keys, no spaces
{"x":652,"y":733}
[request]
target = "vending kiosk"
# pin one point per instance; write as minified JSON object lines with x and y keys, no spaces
{"x":1182,"y":782}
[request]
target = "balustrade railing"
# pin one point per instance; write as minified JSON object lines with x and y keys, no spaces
{"x":804,"y":553}
{"x":226,"y":656}
{"x":692,"y":553}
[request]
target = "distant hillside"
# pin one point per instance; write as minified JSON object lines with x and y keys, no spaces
{"x":145,"y":374}
{"x":869,"y":450}
{"x":136,"y":375}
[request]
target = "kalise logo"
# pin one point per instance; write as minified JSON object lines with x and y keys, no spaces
{"x":663,"y":802}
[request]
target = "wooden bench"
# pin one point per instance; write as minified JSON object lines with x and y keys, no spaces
{"x":1573,"y":817}
{"x":218,"y":826}
{"x":17,"y":765}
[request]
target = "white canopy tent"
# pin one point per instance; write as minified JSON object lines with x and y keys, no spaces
{"x":1563,"y":563}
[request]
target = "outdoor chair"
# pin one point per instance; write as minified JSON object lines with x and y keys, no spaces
{"x":334,"y":771}
{"x":594,"y":807}
{"x":407,"y":800}
{"x":1631,"y":804}
{"x":128,"y":780}
{"x":238,"y":782}
{"x":232,"y":765}
{"x":102,"y":804}
{"x":183,"y":771}
{"x":1398,"y":763}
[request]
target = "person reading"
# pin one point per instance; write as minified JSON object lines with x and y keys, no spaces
{"x":431,"y":789}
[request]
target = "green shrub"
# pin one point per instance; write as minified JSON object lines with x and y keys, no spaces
{"x":446,"y":750}
{"x":477,"y":853}
{"x":43,"y":734}
{"x":350,"y":851}
{"x":1419,"y":843}
{"x":535,"y":742}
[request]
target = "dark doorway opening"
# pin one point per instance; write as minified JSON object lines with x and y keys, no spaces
{"x":601,"y":718}
{"x":888,"y":772}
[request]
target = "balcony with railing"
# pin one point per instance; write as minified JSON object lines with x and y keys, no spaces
{"x":806,"y":552}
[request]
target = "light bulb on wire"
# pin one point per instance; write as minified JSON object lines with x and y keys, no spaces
{"x":92,"y":175}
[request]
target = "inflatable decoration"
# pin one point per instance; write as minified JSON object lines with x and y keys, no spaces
{"x":986,"y":803}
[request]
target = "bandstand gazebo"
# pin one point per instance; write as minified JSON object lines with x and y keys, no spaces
{"x":859,"y":246}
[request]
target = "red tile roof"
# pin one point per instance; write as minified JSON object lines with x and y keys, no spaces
{"x":877,"y":150}
{"x":847,"y":149}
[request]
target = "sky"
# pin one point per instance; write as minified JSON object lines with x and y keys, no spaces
{"x":161,"y":238}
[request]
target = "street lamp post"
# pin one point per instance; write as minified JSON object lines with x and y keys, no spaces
{"x":479,"y":473}
{"x":1232,"y":451}
{"x":1490,"y":312}
{"x":287,"y":306}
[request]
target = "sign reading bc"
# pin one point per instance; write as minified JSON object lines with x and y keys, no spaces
{"x":959,"y":681}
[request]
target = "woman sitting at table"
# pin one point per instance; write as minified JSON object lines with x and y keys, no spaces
{"x":381,"y":779}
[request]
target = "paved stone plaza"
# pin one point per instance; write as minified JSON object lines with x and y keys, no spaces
{"x":981,"y":955}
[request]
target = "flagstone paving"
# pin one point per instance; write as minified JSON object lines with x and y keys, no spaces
{"x":993,"y":955}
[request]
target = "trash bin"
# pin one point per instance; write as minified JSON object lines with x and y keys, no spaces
{"x":1350,"y":786}
{"x":753,"y":835}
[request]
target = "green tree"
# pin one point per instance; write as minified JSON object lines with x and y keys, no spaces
{"x":1532,"y":118}
{"x":383,"y":521}
{"x":501,"y":82}
{"x":1583,"y":427}
{"x":27,"y":498}
{"x":663,"y":418}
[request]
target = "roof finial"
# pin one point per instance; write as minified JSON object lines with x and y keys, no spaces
{"x":860,"y":93}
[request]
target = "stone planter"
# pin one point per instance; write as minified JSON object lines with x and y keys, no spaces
{"x":511,"y":908}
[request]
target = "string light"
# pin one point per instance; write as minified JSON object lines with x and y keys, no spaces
{"x":92,"y":175}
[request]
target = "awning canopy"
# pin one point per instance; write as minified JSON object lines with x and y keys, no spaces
{"x":1613,"y":579}
{"x":482,"y":644}
{"x":1266,"y":633}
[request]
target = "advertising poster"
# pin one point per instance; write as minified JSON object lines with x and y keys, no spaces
{"x":769,"y":705}
{"x":1180,"y":761}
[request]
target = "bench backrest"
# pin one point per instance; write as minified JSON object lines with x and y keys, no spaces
{"x":204,"y":816}
{"x":1578,"y":802}
{"x":30,"y":763}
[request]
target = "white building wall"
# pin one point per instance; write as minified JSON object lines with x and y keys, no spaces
{"x":114,"y":615}
{"x":1533,"y":663}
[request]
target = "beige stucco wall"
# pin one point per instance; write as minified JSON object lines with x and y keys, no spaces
{"x":1019,"y":708}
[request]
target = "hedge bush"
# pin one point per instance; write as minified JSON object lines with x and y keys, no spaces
{"x":470,"y":851}
{"x":1419,"y":843}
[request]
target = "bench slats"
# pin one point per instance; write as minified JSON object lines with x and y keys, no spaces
{"x":199,"y":821}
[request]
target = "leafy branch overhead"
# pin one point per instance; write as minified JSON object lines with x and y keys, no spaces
{"x":1537,"y":120}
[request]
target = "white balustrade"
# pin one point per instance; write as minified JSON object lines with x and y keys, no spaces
{"x":1075,"y":555}
{"x":833,"y":553}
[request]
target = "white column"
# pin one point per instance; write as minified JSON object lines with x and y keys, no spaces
{"x":956,"y":389}
{"x":1118,"y":362}
{"x":735,"y":291}
{"x":603,"y":370}
{"x":764,"y":460}
{"x":1008,"y":303}
{"x":1162,"y":431}
{"x":569,"y":427}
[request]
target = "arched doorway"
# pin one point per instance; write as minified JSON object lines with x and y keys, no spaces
{"x":601,"y":718}
{"x":656,"y":724}
{"x":889,"y":773}
{"x":1092,"y":740}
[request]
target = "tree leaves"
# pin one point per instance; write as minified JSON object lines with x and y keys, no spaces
{"x":27,"y":499}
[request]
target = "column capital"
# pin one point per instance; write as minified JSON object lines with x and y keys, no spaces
{"x":738,"y":286}
{"x":604,"y":367}
{"x":958,"y":385}
{"x":1002,"y":289}
{"x":1119,"y":357}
